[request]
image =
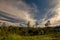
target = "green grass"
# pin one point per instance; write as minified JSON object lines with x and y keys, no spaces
{"x":17,"y":37}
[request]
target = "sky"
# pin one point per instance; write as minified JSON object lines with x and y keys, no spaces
{"x":22,"y":11}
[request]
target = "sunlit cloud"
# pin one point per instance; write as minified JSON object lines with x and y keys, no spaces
{"x":17,"y":9}
{"x":55,"y":12}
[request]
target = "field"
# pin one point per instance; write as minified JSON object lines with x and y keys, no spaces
{"x":22,"y":33}
{"x":38,"y":37}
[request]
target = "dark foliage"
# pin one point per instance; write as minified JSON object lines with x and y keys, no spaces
{"x":28,"y":31}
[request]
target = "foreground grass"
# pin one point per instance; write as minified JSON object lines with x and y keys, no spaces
{"x":17,"y":37}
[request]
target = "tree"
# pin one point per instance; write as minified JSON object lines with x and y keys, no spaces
{"x":47,"y":24}
{"x":4,"y":31}
{"x":0,"y":24}
{"x":36,"y":24}
{"x":3,"y":24}
{"x":28,"y":24}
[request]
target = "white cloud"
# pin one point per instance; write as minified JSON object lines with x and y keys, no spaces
{"x":17,"y":9}
{"x":55,"y":11}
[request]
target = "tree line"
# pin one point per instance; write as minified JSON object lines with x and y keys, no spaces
{"x":27,"y":31}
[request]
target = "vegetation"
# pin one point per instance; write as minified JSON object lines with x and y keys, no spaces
{"x":29,"y":33}
{"x":7,"y":33}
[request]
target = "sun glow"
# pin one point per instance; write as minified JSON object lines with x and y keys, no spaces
{"x":58,"y":10}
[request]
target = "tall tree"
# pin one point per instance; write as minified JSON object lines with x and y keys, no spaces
{"x":4,"y":31}
{"x":28,"y":24}
{"x":36,"y":24}
{"x":48,"y":23}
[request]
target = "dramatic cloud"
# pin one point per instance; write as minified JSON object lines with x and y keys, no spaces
{"x":56,"y":10}
{"x":54,"y":13}
{"x":17,"y":11}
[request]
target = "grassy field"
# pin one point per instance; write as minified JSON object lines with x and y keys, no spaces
{"x":40,"y":37}
{"x":23,"y":34}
